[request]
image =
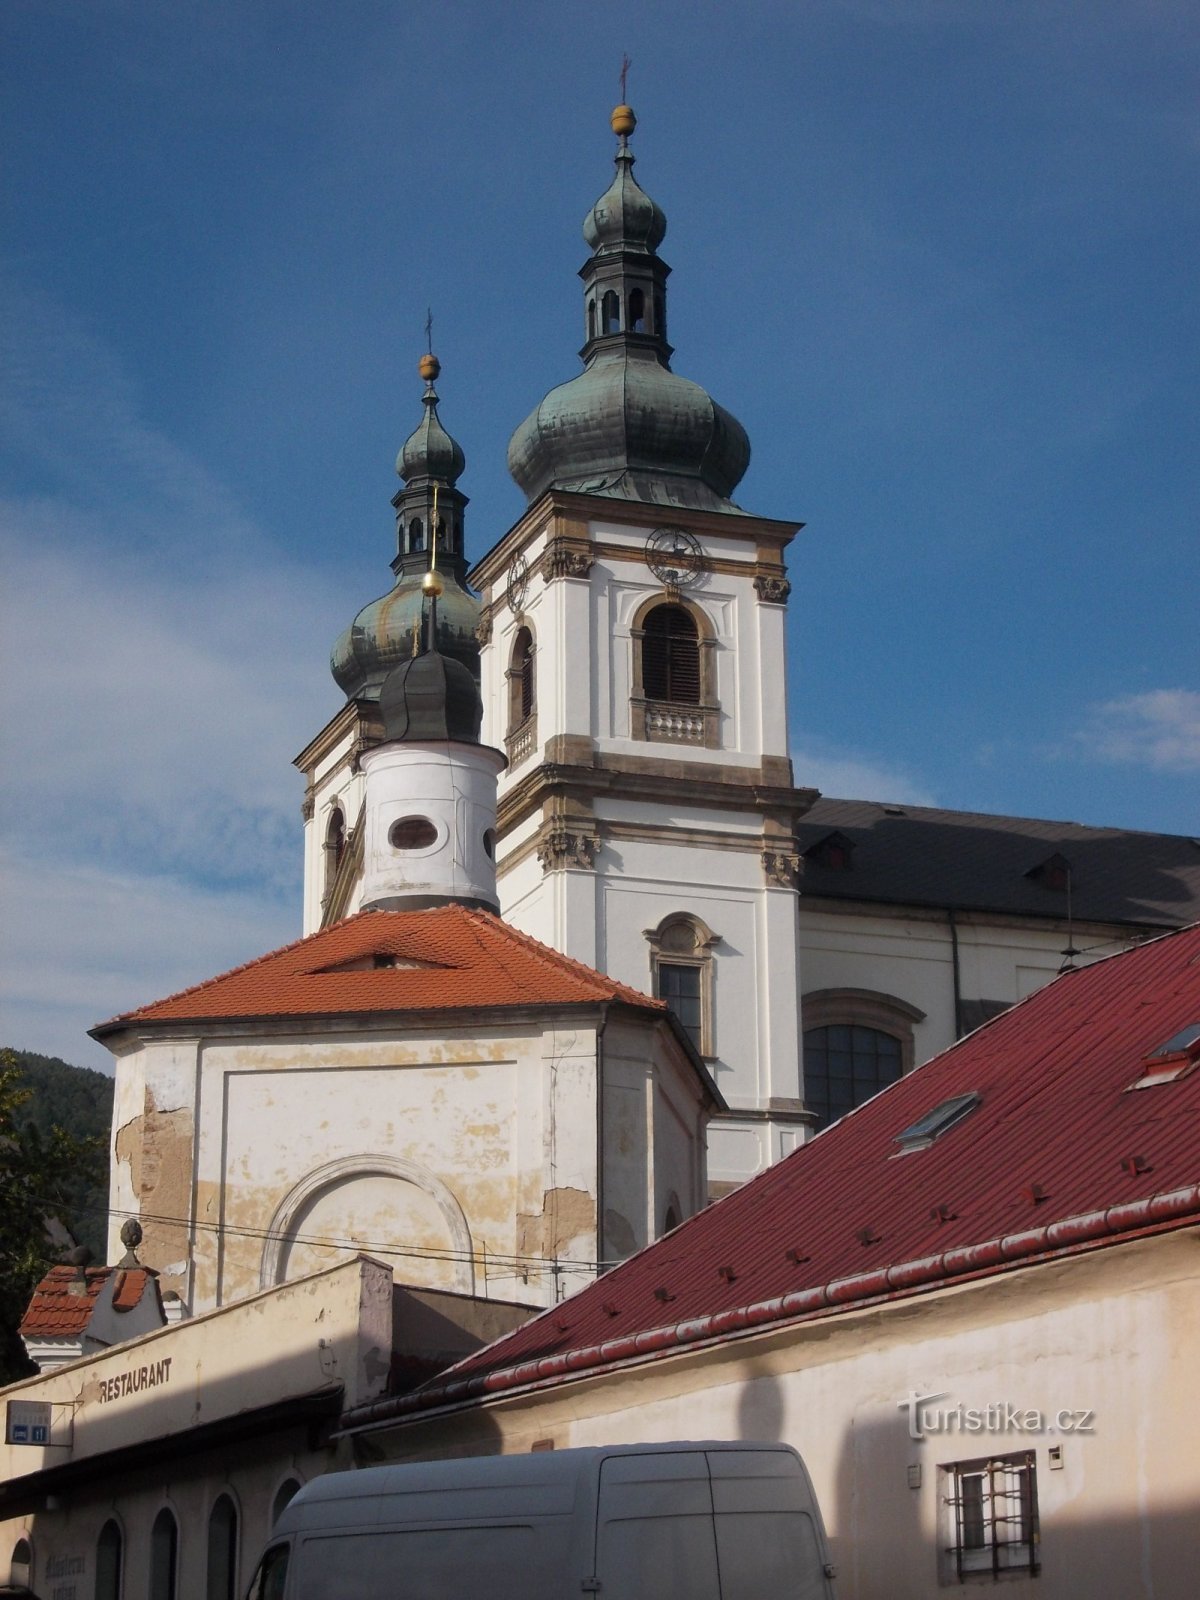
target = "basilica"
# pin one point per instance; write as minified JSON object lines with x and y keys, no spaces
{"x":581,"y":950}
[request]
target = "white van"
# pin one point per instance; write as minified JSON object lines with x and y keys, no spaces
{"x":622,"y":1522}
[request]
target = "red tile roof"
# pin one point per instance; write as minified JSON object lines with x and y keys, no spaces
{"x":62,"y":1305}
{"x":447,"y":958}
{"x":1059,"y":1154}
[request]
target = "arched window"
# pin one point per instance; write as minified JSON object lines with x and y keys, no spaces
{"x":856,"y":1042}
{"x":637,"y":312}
{"x":681,"y":973}
{"x":164,"y":1556}
{"x":673,"y":694}
{"x":416,"y":534}
{"x":222,"y":1551}
{"x":674,"y":1214}
{"x":284,"y":1495}
{"x":20,"y":1568}
{"x":335,"y":837}
{"x":591,"y":319}
{"x":441,"y":533}
{"x":109,"y":1550}
{"x":660,"y":316}
{"x":522,"y":697}
{"x":671,"y":656}
{"x":610,"y":313}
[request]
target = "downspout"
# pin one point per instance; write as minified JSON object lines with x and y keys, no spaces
{"x":958,"y":1027}
{"x":601,"y":1252}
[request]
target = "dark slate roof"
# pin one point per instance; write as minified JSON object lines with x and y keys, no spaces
{"x":968,"y":861}
{"x":1055,"y":1156}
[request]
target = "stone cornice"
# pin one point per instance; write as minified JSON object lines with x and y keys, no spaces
{"x":768,"y":536}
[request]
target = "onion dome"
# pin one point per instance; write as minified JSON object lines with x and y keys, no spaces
{"x":429,"y":512}
{"x":430,"y":451}
{"x":628,"y":426}
{"x":624,"y":217}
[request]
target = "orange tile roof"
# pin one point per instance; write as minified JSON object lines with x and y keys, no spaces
{"x":446,"y":958}
{"x":61,"y":1304}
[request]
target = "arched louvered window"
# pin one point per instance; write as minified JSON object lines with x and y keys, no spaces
{"x":222,"y":1551}
{"x":637,"y":312}
{"x":610,"y":313}
{"x":671,"y":656}
{"x":591,"y":319}
{"x":164,"y":1556}
{"x":109,"y":1551}
{"x":416,"y":534}
{"x":660,"y":316}
{"x":522,"y":697}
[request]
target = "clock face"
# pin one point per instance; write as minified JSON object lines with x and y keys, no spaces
{"x":518,"y":582}
{"x":674,"y":556}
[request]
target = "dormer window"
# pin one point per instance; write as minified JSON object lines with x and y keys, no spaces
{"x":832,"y":852}
{"x":1053,"y":873}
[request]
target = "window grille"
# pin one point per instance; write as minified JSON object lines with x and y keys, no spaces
{"x":995,"y":1520}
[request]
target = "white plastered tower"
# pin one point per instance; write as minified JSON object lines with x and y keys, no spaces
{"x":633,"y":667}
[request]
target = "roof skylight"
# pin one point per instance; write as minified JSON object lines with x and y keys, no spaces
{"x":920,"y":1134}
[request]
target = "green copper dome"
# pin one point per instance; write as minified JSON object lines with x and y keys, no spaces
{"x":429,"y":510}
{"x":628,"y":426}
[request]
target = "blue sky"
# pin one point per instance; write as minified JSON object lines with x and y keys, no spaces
{"x":937,"y":255}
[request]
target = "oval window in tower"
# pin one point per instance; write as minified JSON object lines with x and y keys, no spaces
{"x":412,"y":833}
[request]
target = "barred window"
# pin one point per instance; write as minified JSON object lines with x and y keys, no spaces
{"x":993,"y":1517}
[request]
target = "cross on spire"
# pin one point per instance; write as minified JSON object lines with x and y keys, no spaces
{"x":429,"y":329}
{"x":626,"y":63}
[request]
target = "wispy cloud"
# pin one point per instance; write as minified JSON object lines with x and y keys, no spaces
{"x":79,"y":944}
{"x":1159,"y":729}
{"x":854,"y":775}
{"x":162,"y":663}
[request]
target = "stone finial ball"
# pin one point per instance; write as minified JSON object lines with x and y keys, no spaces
{"x":623,"y":121}
{"x":131,"y":1233}
{"x":429,"y":367}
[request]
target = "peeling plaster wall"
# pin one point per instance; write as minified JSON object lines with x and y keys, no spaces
{"x":151,"y":1175}
{"x":467,"y":1159}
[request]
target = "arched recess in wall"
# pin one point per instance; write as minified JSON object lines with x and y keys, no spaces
{"x":110,"y":1552}
{"x":366,"y":1184}
{"x":221,"y":1571}
{"x":856,"y":1042}
{"x":164,"y":1556}
{"x":673,"y":673}
{"x":284,"y":1495}
{"x":20,"y":1564}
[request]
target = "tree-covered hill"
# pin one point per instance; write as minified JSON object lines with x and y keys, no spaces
{"x":53,"y":1171}
{"x":79,"y":1101}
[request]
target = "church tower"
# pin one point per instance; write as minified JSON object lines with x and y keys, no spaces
{"x":384,"y":635}
{"x":633,"y":669}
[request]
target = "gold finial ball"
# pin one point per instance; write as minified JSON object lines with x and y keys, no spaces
{"x":432,"y":584}
{"x":623,"y":121}
{"x":429,"y":367}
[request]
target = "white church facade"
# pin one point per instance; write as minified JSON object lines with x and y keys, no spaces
{"x":629,"y":635}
